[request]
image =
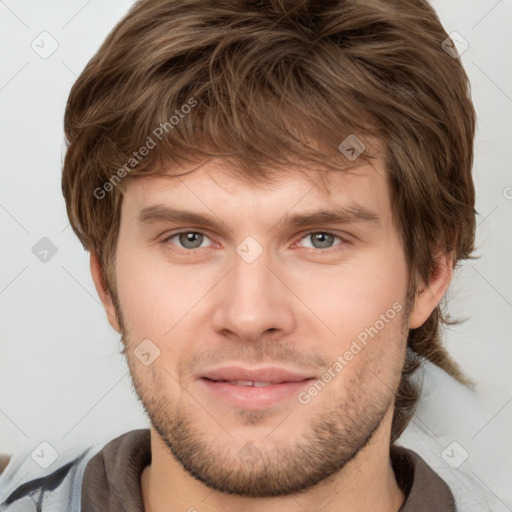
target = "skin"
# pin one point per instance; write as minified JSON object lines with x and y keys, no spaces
{"x":299,"y":305}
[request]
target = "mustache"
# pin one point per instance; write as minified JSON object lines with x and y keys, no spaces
{"x":261,"y":353}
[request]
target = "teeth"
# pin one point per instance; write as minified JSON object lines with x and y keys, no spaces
{"x":249,"y":383}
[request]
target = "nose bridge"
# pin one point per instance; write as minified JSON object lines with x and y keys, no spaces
{"x":251,"y":275}
{"x":254,"y":299}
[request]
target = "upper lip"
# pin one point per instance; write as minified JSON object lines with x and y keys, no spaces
{"x":272,"y":374}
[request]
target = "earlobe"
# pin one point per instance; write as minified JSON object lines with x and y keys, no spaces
{"x":103,"y":292}
{"x":428,"y":296}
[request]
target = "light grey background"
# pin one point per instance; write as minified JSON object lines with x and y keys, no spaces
{"x":61,"y":377}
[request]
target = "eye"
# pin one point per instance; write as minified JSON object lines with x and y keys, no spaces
{"x":187,"y":239}
{"x":322,"y":239}
{"x":190,"y":240}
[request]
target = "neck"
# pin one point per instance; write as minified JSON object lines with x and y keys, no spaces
{"x":365,"y":483}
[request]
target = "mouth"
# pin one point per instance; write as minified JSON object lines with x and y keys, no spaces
{"x":252,"y":394}
{"x":256,"y":384}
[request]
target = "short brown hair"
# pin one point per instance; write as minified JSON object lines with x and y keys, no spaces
{"x":261,"y":80}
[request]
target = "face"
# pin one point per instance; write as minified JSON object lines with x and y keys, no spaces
{"x":262,"y":294}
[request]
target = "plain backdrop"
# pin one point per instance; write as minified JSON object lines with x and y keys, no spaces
{"x":61,"y":375}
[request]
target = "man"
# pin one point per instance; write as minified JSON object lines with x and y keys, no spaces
{"x":274,"y":195}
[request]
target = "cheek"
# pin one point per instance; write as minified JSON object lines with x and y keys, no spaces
{"x":368,"y":357}
{"x":352,"y":296}
{"x":161,"y":301}
{"x":144,"y":292}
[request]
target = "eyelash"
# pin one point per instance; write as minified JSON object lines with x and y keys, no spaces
{"x":327,"y":249}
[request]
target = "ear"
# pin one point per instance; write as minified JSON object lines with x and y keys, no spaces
{"x":103,"y":292}
{"x":429,"y":296}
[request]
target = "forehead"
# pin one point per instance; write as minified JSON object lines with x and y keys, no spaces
{"x":220,"y":186}
{"x":328,"y":180}
{"x":219,"y":196}
{"x":324,"y":174}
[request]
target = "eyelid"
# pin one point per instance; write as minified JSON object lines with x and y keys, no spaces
{"x":343,"y":238}
{"x":168,"y":236}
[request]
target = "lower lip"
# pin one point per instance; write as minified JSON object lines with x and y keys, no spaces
{"x":251,"y":397}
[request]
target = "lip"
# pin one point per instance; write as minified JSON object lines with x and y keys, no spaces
{"x":272,"y":374}
{"x":285,"y":385}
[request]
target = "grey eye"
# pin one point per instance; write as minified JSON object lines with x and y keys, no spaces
{"x":321,"y":240}
{"x":190,"y":239}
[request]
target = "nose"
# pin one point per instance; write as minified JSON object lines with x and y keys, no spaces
{"x":253,"y":299}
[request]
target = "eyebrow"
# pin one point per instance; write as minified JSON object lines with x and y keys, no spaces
{"x":352,"y":213}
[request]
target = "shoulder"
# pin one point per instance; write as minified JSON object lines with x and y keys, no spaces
{"x":29,"y":485}
{"x":441,"y":432}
